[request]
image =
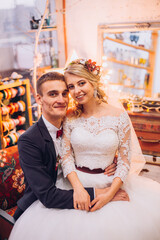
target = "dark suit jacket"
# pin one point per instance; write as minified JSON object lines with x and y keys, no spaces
{"x":38,"y":161}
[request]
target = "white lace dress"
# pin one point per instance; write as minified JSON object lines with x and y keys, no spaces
{"x":94,"y":143}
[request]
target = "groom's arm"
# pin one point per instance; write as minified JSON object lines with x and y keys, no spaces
{"x":40,"y":183}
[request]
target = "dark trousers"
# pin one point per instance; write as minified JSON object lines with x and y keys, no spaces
{"x":17,"y":213}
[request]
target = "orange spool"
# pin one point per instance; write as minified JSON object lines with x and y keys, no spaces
{"x":4,"y":142}
{"x":4,"y":110}
{"x":13,"y":92}
{"x":22,"y":120}
{"x":9,"y":94}
{"x":1,"y":95}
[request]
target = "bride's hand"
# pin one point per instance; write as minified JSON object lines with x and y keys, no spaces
{"x":100,"y":201}
{"x":81,"y":199}
{"x":103,"y":198}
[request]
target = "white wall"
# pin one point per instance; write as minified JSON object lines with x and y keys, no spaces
{"x":6,"y":58}
{"x":83,"y":17}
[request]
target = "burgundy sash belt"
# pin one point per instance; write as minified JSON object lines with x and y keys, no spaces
{"x":87,"y":170}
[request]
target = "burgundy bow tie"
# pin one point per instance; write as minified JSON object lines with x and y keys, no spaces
{"x":59,"y":133}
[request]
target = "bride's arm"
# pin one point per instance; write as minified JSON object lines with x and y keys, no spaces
{"x":123,"y":164}
{"x":81,"y":197}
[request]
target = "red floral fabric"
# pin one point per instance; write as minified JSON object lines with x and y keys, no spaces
{"x":11,"y":211}
{"x":11,"y":178}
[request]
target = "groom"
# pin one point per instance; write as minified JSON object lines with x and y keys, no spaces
{"x":39,"y":148}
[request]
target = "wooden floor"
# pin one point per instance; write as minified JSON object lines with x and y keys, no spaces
{"x":151,"y":171}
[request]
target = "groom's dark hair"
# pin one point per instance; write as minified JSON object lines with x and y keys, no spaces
{"x":50,"y":76}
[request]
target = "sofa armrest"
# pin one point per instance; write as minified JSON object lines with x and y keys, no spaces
{"x":6,"y":223}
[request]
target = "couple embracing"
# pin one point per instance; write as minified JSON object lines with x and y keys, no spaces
{"x":89,"y":198}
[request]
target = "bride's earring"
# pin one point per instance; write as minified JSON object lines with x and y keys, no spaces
{"x":95,"y":93}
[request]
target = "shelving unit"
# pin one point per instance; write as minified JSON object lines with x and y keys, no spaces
{"x":108,"y":34}
{"x":129,"y":45}
{"x":50,"y":44}
{"x":43,"y":29}
{"x":128,"y":64}
{"x":129,"y":86}
{"x":15,"y":111}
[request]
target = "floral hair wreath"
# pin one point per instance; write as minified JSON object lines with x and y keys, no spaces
{"x":91,"y":66}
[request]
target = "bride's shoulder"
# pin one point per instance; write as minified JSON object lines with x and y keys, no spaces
{"x":115,"y":111}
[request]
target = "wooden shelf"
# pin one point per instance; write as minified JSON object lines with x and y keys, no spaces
{"x":125,"y":86}
{"x":138,"y":88}
{"x":128,"y":64}
{"x":43,"y":29}
{"x":16,"y":83}
{"x":129,"y":45}
{"x":144,"y":114}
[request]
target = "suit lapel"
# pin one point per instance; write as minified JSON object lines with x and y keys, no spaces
{"x":47,"y":137}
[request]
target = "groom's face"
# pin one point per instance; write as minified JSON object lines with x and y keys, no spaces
{"x":54,"y":99}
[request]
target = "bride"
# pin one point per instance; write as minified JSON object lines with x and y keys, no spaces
{"x":94,"y":132}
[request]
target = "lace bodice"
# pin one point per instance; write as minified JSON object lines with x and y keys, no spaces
{"x":93,"y":142}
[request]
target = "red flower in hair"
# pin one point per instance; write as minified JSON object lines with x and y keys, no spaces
{"x":91,"y":66}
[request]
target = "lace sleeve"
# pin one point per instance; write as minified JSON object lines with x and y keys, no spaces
{"x":124,"y":134}
{"x":67,"y":160}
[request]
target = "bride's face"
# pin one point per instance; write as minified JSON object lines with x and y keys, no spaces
{"x":80,"y":89}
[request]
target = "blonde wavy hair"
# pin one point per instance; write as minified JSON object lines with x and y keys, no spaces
{"x":79,"y":68}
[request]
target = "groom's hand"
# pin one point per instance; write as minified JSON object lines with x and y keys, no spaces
{"x":110,"y":170}
{"x":81,"y":199}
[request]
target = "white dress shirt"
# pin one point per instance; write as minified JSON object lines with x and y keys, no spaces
{"x":53,"y":132}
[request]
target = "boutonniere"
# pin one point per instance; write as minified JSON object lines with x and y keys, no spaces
{"x":58,"y":164}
